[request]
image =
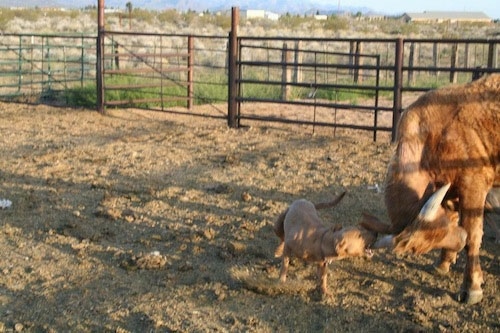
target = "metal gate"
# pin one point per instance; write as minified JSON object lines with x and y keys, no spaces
{"x":45,"y":65}
{"x":157,"y":71}
{"x":322,"y":81}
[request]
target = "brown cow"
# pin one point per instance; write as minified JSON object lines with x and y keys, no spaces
{"x":491,"y":208}
{"x":448,"y":136}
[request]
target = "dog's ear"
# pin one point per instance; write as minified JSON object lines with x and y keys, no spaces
{"x":336,"y":227}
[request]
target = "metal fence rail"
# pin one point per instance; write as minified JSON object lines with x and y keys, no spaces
{"x":314,"y":72}
{"x":44,"y":64}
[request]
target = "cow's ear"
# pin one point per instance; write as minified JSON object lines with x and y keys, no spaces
{"x":431,"y":207}
{"x":451,"y":205}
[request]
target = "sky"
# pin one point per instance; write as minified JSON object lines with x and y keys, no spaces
{"x":489,"y":7}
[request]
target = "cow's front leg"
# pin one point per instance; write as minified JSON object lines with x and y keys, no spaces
{"x":472,"y":221}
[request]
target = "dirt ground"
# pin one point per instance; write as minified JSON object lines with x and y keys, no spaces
{"x":149,"y":222}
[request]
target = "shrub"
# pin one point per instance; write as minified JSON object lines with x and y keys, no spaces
{"x":168,"y":16}
{"x":336,"y":23}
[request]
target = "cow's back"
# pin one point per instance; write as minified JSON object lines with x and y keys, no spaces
{"x":454,"y":128}
{"x":443,"y":133}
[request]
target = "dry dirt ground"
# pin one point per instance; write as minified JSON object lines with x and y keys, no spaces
{"x":145,"y":222}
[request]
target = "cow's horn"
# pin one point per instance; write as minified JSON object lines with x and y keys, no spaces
{"x":431,"y":207}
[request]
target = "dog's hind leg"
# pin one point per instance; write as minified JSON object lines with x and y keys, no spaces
{"x":279,"y":230}
{"x":279,"y":225}
{"x":279,"y":250}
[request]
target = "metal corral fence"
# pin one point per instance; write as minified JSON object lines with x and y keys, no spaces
{"x":161,"y":71}
{"x":44,"y":65}
{"x":335,"y":76}
{"x":326,"y":78}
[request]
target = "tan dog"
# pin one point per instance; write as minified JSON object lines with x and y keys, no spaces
{"x":304,"y":236}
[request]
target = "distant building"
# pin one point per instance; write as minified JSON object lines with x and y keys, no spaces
{"x":451,"y":17}
{"x":320,"y":17}
{"x":259,"y":13}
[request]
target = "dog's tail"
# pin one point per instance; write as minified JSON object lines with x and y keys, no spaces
{"x":329,"y":204}
{"x":372,"y":223}
{"x":279,"y":230}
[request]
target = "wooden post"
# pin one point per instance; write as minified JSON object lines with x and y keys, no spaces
{"x":232,"y":105}
{"x":411,"y":59}
{"x":297,"y":73}
{"x":435,"y":57}
{"x":117,"y":55}
{"x":285,"y":74}
{"x":352,"y":50}
{"x":100,"y":56}
{"x":190,"y":81}
{"x":466,"y":55}
{"x":453,"y":63}
{"x":358,"y":72}
{"x":492,"y":55}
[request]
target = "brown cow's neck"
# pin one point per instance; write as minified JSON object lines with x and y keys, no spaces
{"x":404,"y":196}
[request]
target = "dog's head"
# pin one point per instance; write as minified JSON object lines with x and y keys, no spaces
{"x":355,"y":241}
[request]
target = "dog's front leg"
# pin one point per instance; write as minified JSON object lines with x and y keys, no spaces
{"x":284,"y":267}
{"x":322,"y":275}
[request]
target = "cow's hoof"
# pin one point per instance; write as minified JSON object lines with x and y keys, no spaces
{"x":470,"y":296}
{"x":442,"y":270}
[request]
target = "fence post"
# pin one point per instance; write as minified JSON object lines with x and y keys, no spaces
{"x":20,"y":65}
{"x":82,"y":64}
{"x":190,"y":60}
{"x":466,"y":55}
{"x":352,"y":50}
{"x":297,"y":74}
{"x":285,"y":74}
{"x":411,"y":62}
{"x":453,"y":63}
{"x":398,"y":85}
{"x":117,"y":54}
{"x":100,"y":56}
{"x":435,"y":57}
{"x":492,"y":55}
{"x":232,"y":106}
{"x":358,"y":72}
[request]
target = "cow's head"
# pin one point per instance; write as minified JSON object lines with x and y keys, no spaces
{"x":434,"y":227}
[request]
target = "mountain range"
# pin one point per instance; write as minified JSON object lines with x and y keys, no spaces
{"x":277,"y":6}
